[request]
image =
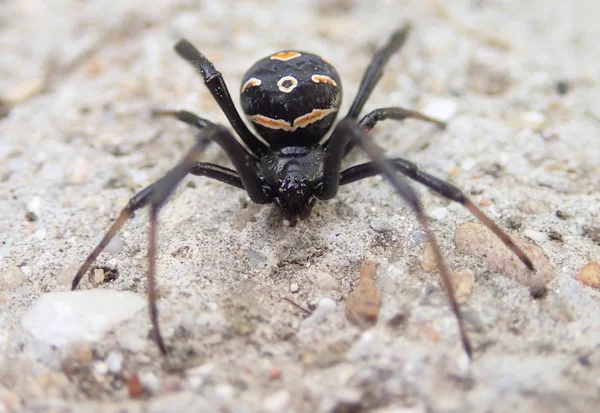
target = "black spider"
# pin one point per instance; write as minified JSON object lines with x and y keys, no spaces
{"x":292,"y":99}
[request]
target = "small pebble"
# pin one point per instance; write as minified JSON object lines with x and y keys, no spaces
{"x":533,"y":206}
{"x":485,"y":202}
{"x":428,"y":261}
{"x":533,"y":120}
{"x":98,"y":275}
{"x":326,"y":305}
{"x":114,"y":361}
{"x":276,"y":402}
{"x":134,"y":386}
{"x":536,"y":236}
{"x":100,"y":368}
{"x":62,"y":318}
{"x":363,"y":304}
{"x":11,"y":278}
{"x":84,"y":353}
{"x":34,"y":206}
{"x":439,"y":213}
{"x":475,"y":239}
{"x":463,"y":281}
{"x":149,"y":381}
{"x":441,"y":109}
{"x":590,"y":274}
{"x":418,"y":237}
{"x":325,"y":281}
{"x":294,"y":288}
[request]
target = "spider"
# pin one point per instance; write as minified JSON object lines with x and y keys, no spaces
{"x":292,"y":98}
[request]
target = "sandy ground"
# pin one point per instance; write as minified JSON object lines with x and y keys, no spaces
{"x":77,"y":82}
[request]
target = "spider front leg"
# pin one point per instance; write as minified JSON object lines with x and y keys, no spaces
{"x":157,"y":194}
{"x":371,"y":119}
{"x":216,"y":85}
{"x":184,"y":116}
{"x":445,"y":189}
{"x":347,"y":131}
{"x":375,"y":70}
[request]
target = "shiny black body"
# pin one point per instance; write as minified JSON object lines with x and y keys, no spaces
{"x":292,"y":99}
{"x":268,"y":99}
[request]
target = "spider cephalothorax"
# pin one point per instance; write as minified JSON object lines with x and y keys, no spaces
{"x":292,"y":98}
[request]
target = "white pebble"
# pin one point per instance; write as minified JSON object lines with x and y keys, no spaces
{"x":536,"y":236}
{"x":34,"y":205}
{"x":533,"y":120}
{"x":100,"y":368}
{"x":294,"y":287}
{"x":325,"y":281}
{"x":114,"y":361}
{"x":439,"y":213}
{"x":277,"y":402}
{"x":149,"y":381}
{"x":63,"y":318}
{"x":441,"y":109}
{"x":326,"y":305}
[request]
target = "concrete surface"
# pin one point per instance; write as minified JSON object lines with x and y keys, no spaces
{"x":77,"y":82}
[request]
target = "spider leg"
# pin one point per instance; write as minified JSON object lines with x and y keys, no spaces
{"x":218,"y":172}
{"x":369,"y":121}
{"x":348,"y":130}
{"x":375,"y":70}
{"x":184,"y":116}
{"x":157,"y":193}
{"x":216,"y":85}
{"x":445,"y":189}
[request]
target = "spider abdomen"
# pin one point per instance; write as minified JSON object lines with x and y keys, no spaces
{"x":291,"y":98}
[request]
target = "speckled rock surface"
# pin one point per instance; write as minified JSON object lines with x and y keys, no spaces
{"x":519,"y":85}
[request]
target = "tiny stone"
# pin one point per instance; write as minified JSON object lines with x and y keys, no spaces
{"x":533,"y":120}
{"x":84,"y":353}
{"x":34,"y":206}
{"x":418,"y":237}
{"x":325,"y":281}
{"x":149,"y":381}
{"x":114,"y":361}
{"x":98,"y":275}
{"x":536,"y":236}
{"x":590,"y":274}
{"x":441,"y":109}
{"x":294,"y":287}
{"x":100,"y":368}
{"x":276,"y":402}
{"x":326,"y":305}
{"x":62,"y":318}
{"x":475,"y":239}
{"x":533,"y":206}
{"x":485,"y":202}
{"x":428,"y":261}
{"x":439,"y":213}
{"x":12,"y":277}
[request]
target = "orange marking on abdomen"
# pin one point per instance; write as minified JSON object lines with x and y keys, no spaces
{"x":251,"y":83}
{"x":323,"y":79}
{"x":271,"y":123}
{"x":285,"y":56}
{"x":313,"y":116}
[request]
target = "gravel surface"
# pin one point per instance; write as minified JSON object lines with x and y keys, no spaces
{"x":518,"y":84}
